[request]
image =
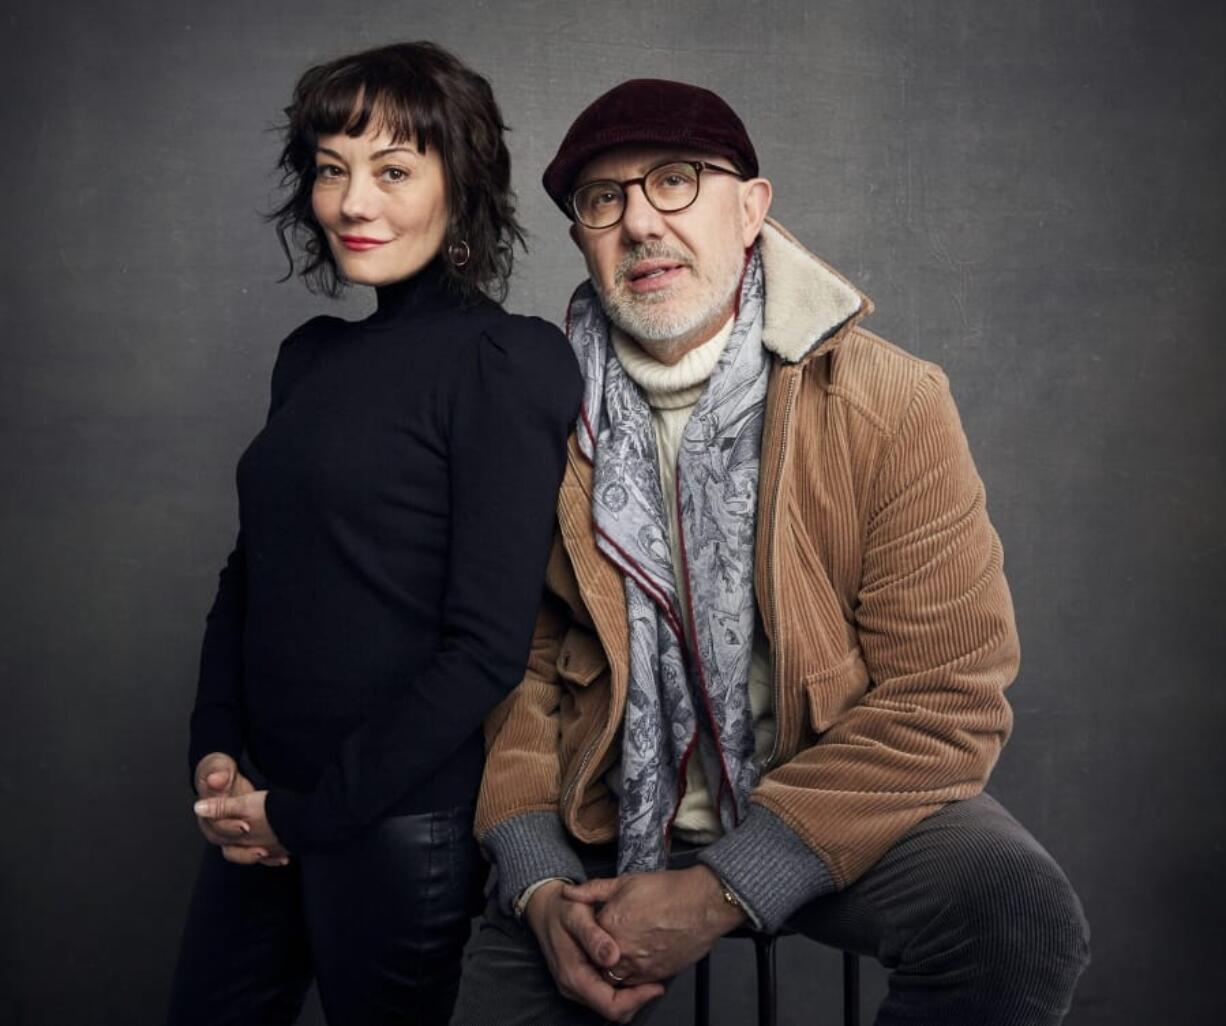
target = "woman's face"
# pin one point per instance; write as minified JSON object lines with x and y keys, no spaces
{"x":381,"y":204}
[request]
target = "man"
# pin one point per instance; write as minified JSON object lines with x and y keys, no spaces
{"x":766,"y":680}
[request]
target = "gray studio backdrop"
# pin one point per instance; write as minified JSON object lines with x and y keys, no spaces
{"x":1031,"y":192}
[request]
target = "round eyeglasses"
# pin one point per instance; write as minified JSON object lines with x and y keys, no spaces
{"x":669,"y":187}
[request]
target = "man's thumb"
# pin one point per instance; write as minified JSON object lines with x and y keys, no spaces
{"x":599,"y":890}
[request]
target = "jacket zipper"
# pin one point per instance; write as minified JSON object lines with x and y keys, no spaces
{"x":571,"y":788}
{"x":770,"y":572}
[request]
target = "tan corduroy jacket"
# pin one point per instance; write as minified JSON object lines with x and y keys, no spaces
{"x":880,"y":585}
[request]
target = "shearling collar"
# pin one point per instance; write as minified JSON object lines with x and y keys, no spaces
{"x":806,"y":300}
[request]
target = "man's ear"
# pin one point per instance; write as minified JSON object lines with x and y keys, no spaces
{"x":755,"y":204}
{"x":574,"y":234}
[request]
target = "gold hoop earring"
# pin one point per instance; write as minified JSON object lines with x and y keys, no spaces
{"x":459,"y":253}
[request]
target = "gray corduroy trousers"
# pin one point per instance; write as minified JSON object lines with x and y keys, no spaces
{"x":977,"y":922}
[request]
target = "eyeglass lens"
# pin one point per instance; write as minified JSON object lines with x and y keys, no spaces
{"x":669,"y":188}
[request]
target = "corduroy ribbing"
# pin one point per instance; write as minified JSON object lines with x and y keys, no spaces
{"x":768,"y":867}
{"x":529,"y":848}
{"x":881,"y":586}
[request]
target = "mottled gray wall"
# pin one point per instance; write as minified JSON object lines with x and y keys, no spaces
{"x":1032,"y":193}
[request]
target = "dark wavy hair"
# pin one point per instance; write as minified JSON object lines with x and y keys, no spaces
{"x":419,"y":93}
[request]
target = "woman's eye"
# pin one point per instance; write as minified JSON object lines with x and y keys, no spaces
{"x":394,"y":174}
{"x":328,"y":171}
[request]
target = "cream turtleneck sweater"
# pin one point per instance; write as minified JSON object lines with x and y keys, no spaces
{"x":672,"y":392}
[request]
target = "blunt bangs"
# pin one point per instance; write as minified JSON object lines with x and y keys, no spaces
{"x":378,"y":96}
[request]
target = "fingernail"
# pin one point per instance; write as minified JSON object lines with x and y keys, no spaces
{"x":243,"y":826}
{"x":201,"y":807}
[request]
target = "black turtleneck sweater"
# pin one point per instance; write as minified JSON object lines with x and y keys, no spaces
{"x":395,"y":518}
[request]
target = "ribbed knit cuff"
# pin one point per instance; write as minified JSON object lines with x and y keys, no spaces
{"x":305,"y":822}
{"x":768,"y":867}
{"x":527,"y":848}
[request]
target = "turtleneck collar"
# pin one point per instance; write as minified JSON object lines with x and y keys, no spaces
{"x":427,"y":291}
{"x":665,"y":386}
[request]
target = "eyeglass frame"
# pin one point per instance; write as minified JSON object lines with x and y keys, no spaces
{"x":699,"y":167}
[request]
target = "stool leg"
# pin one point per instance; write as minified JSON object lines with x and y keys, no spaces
{"x":764,"y":950}
{"x":702,"y":992}
{"x":851,"y":989}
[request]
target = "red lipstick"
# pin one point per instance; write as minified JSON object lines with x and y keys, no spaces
{"x":360,"y":243}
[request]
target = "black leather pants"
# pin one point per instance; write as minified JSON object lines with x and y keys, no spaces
{"x":380,"y":925}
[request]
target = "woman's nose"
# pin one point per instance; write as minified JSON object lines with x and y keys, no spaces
{"x":360,"y":200}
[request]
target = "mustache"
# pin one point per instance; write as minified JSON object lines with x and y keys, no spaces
{"x":650,"y":251}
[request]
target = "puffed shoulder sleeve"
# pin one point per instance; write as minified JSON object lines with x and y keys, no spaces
{"x":516,"y":395}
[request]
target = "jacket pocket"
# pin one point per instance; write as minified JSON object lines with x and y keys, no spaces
{"x":834,"y":690}
{"x":581,"y":658}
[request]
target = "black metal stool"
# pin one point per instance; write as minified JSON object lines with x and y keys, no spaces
{"x":764,"y":952}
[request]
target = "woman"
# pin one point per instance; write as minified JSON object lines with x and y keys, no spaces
{"x":395,"y":518}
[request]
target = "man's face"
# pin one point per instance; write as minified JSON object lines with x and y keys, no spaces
{"x":669,"y":280}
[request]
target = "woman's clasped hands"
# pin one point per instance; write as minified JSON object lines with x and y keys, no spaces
{"x":230,"y":814}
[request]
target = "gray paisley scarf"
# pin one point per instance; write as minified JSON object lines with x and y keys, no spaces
{"x":681,"y":702}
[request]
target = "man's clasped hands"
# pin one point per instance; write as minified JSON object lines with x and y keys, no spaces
{"x":610,"y":941}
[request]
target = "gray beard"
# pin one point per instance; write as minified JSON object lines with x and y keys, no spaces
{"x":662,"y":335}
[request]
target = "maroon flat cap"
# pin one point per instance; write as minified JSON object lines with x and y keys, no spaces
{"x":649,"y":111}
